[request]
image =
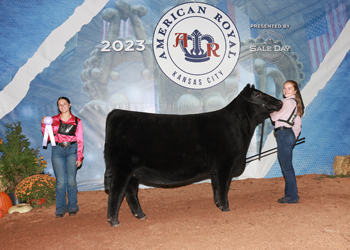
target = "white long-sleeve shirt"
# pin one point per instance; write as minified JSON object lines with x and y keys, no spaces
{"x":284,"y":113}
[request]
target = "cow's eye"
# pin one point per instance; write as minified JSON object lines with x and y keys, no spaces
{"x":257,"y":94}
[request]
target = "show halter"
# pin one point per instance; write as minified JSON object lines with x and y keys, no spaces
{"x":48,"y":131}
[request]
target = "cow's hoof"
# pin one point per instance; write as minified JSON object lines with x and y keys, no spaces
{"x":114,"y":224}
{"x":225,"y":209}
{"x":140,"y":216}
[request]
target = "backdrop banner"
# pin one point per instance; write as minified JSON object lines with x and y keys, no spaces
{"x":144,"y":55}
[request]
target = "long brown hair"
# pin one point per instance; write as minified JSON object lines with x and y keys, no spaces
{"x":301,"y":107}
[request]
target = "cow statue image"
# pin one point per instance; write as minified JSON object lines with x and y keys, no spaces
{"x":176,"y":150}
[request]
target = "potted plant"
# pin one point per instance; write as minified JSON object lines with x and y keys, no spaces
{"x":17,"y":159}
{"x":37,"y":190}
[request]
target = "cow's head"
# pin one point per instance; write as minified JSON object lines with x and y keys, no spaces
{"x":262,"y":103}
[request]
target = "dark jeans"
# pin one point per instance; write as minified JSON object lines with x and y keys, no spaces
{"x":64,"y":166}
{"x":285,"y":144}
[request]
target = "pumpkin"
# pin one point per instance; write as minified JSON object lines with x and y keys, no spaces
{"x":20,"y":208}
{"x":5,"y":202}
{"x":2,"y":213}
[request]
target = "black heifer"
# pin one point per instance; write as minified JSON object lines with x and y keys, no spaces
{"x":167,"y":150}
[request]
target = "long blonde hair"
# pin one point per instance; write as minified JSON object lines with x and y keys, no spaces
{"x":298,"y":98}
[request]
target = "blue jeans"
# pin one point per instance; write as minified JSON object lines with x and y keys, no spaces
{"x":285,"y":144}
{"x":64,"y":166}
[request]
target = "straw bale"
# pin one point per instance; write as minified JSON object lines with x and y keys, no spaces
{"x":2,"y":188}
{"x":341,"y":165}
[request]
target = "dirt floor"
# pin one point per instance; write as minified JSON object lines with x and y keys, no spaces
{"x":187,"y":218}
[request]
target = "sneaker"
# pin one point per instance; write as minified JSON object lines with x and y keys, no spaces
{"x":283,"y":200}
{"x":72,"y":213}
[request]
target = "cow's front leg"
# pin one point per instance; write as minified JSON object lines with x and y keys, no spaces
{"x":115,"y":198}
{"x":132,"y":199}
{"x":214,"y":185}
{"x":221,"y":183}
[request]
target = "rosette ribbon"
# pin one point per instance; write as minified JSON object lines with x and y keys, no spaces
{"x":48,"y":131}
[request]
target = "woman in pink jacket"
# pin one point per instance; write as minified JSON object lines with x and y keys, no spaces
{"x":287,"y":129}
{"x":66,"y":156}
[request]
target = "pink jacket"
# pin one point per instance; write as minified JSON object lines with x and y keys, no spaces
{"x":68,"y":138}
{"x":284,"y":113}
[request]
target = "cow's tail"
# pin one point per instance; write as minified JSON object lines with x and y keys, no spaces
{"x":108,"y":173}
{"x":108,"y":177}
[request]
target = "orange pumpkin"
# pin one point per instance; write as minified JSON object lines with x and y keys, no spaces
{"x":5,"y":202}
{"x":2,"y":213}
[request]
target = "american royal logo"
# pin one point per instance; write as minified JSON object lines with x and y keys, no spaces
{"x":196,"y":45}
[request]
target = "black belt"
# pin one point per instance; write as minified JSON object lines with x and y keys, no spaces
{"x":281,"y":128}
{"x":65,"y":144}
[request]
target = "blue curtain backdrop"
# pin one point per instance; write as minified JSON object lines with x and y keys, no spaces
{"x":314,"y":27}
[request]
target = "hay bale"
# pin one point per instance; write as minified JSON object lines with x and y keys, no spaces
{"x":341,"y":165}
{"x":2,"y":188}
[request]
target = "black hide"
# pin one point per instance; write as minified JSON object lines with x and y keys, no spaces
{"x":167,"y":150}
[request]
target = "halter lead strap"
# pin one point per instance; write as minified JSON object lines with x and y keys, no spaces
{"x":292,"y":116}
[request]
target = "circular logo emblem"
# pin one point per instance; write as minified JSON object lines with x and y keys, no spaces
{"x":272,"y":47}
{"x":196,"y":45}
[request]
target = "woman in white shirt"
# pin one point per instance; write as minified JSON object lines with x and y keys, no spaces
{"x":287,"y":129}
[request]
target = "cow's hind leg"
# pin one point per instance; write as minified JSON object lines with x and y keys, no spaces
{"x":115,"y":198}
{"x":132,"y":199}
